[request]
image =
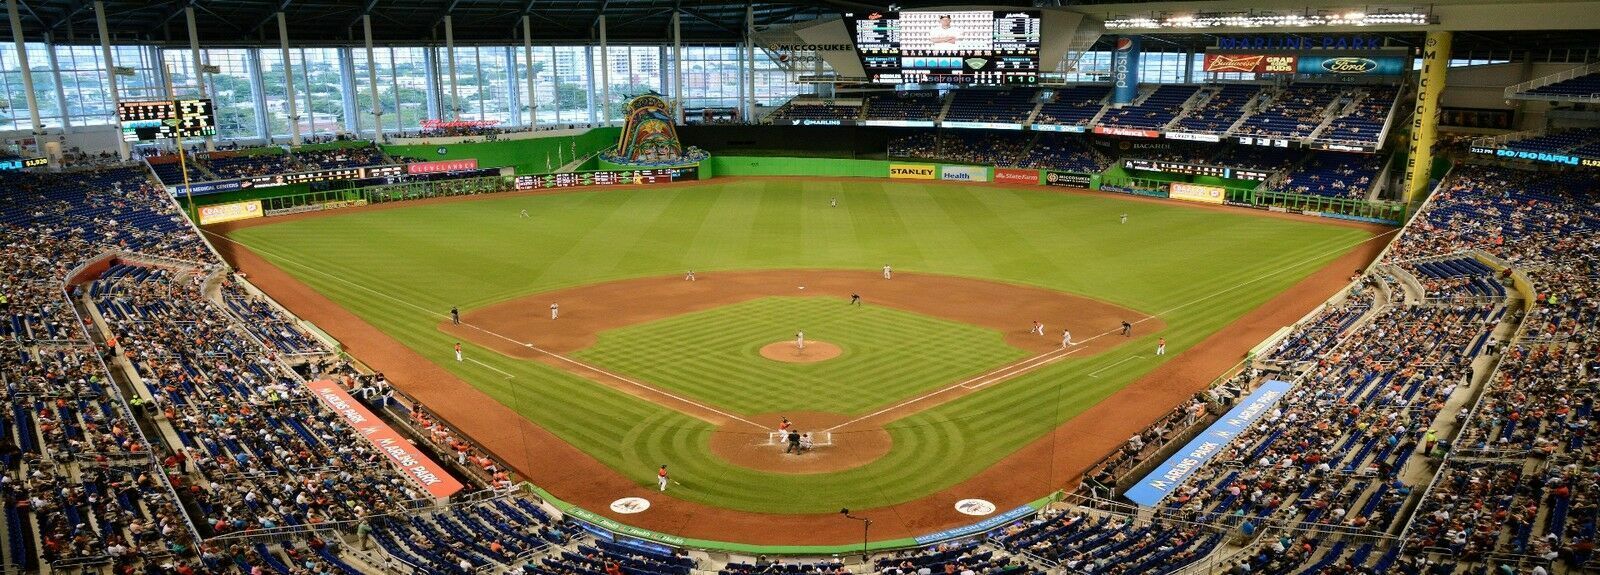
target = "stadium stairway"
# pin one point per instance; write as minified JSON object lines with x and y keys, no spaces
{"x":1195,"y":102}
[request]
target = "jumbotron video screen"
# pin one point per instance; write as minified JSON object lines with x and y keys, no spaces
{"x":948,"y":46}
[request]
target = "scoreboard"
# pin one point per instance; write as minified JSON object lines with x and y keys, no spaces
{"x":948,"y":46}
{"x":160,"y":119}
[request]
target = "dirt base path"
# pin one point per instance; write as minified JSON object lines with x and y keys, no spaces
{"x":1051,"y":462}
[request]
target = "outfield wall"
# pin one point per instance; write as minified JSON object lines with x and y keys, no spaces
{"x":527,"y":155}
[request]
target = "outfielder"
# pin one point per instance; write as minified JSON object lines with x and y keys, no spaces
{"x":524,"y":214}
{"x":555,"y":310}
{"x":1124,"y":218}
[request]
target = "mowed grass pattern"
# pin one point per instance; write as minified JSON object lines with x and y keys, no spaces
{"x":714,"y":355}
{"x":401,"y":269}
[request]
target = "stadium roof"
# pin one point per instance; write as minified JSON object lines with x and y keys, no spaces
{"x":236,"y":22}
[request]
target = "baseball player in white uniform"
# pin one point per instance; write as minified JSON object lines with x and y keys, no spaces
{"x":1066,"y":338}
{"x":555,"y":310}
{"x":888,"y":272}
{"x":800,"y":340}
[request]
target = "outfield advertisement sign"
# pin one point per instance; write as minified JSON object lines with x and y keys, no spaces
{"x":1069,"y":179}
{"x":1126,"y":132}
{"x":1188,"y":137}
{"x":1059,"y":128}
{"x":899,"y":123}
{"x":606,"y":178}
{"x":981,"y":125}
{"x":1160,"y":483}
{"x":405,"y":456}
{"x":964,"y":173}
{"x":230,"y":212}
{"x":814,"y":122}
{"x":1194,"y":193}
{"x":913,"y":171}
{"x":1016,"y":176}
{"x":204,"y":188}
{"x":442,"y":166}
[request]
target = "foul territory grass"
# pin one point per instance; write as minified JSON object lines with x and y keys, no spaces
{"x":714,"y":355}
{"x":1200,"y":269}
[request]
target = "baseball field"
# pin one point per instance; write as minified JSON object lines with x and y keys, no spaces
{"x":932,"y":381}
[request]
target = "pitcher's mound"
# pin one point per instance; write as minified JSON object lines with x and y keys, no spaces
{"x":786,"y":352}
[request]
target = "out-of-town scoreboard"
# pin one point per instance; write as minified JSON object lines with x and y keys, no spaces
{"x":160,"y":119}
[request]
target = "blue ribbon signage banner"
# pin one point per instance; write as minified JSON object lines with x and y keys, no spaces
{"x":1160,"y":483}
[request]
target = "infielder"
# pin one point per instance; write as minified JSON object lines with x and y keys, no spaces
{"x":888,"y":272}
{"x":800,"y":340}
{"x":1066,"y":338}
{"x":1037,"y":328}
{"x":661,"y":478}
{"x":689,"y":277}
{"x":555,"y":310}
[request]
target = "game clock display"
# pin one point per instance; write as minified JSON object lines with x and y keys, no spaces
{"x":155,"y":120}
{"x":948,"y":46}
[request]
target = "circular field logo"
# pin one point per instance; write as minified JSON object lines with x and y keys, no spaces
{"x":966,"y":507}
{"x":630,"y":505}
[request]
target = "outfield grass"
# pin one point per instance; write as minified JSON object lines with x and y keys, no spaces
{"x":715,"y":357}
{"x":1169,"y":259}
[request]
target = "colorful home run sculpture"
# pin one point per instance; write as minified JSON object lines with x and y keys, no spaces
{"x":648,"y":136}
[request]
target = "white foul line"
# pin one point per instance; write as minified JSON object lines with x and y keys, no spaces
{"x":1096,"y":373}
{"x":502,"y":372}
{"x":528,"y":345}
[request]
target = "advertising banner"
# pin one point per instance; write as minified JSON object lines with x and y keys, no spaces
{"x":912,"y":171}
{"x":1069,"y":179}
{"x":1251,"y":63}
{"x":1059,"y":128}
{"x":442,"y":166}
{"x":1016,"y":176}
{"x":1370,"y":65}
{"x":993,"y":522}
{"x":9,"y":164}
{"x":1188,"y":137}
{"x":1125,"y":70}
{"x":230,"y":212}
{"x":899,"y":123}
{"x":405,"y":456}
{"x":1194,"y":193}
{"x":1160,"y":483}
{"x":606,"y":178}
{"x":1128,"y":132}
{"x":964,"y":173}
{"x":204,"y":188}
{"x":981,"y":125}
{"x":814,"y":122}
